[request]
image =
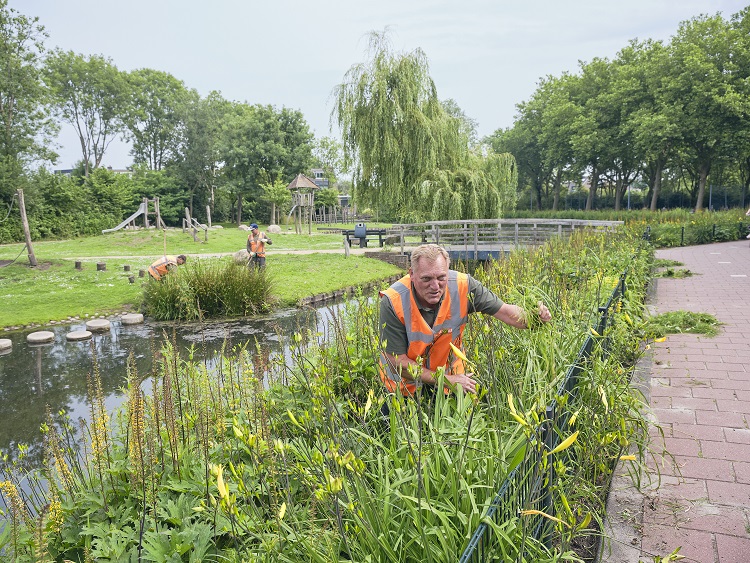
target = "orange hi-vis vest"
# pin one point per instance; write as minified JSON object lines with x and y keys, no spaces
{"x":430,"y":344}
{"x":256,"y":245}
{"x":161,"y":266}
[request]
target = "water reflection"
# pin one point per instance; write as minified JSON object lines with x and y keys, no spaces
{"x":54,"y":375}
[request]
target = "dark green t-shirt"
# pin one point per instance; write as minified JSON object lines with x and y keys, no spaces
{"x":393,"y":332}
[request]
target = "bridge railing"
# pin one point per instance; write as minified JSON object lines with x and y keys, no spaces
{"x":479,"y":235}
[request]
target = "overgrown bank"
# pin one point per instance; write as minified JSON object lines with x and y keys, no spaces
{"x":292,"y":461}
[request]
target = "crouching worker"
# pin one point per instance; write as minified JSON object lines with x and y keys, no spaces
{"x":256,"y":247}
{"x":161,"y":267}
{"x":427,"y":310}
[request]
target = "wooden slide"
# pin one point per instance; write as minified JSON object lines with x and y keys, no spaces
{"x":141,"y":210}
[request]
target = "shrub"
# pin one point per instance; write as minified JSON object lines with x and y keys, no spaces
{"x":208,"y":289}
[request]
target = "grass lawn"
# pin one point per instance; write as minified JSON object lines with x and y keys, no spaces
{"x":56,"y":290}
{"x":153,"y":242}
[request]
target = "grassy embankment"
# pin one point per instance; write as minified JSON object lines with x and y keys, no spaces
{"x":56,"y":290}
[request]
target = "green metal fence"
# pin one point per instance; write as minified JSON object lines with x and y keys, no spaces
{"x":530,"y":484}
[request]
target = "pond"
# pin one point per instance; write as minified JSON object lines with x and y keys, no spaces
{"x":36,"y":377}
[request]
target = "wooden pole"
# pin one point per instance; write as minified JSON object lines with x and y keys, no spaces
{"x":26,"y":232}
{"x":208,"y":214}
{"x":145,"y":212}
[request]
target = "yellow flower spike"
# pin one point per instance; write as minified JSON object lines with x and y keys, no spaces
{"x":627,"y":458}
{"x":573,"y":418}
{"x":594,"y":332}
{"x":565,"y":444}
{"x":520,"y":420}
{"x":223,"y":493}
{"x":603,"y":395}
{"x":531,"y":512}
{"x":368,"y":404}
{"x":628,"y":319}
{"x":294,"y":420}
{"x":459,"y":354}
{"x":662,"y":339}
{"x":282,"y":511}
{"x":511,"y":405}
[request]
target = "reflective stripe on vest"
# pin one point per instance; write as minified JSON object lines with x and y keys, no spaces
{"x":430,"y":344}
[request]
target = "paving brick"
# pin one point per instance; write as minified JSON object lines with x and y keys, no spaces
{"x":700,"y":515}
{"x":713,"y":393}
{"x":726,"y":450}
{"x":733,"y":406}
{"x":695,"y":431}
{"x":670,"y":415}
{"x":742,"y":471}
{"x":694,"y":403}
{"x":721,"y":366}
{"x":662,"y":540}
{"x":727,"y":419}
{"x":700,"y":468}
{"x":729,"y":493}
{"x":685,"y":447}
{"x":732,"y":549}
{"x":737,"y":435}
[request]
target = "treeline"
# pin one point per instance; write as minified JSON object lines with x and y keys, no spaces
{"x":190,"y":151}
{"x":671,"y":119}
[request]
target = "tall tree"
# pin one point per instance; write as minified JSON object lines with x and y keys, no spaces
{"x":260,"y":145}
{"x":703,"y":87}
{"x":25,"y":126}
{"x":90,"y":94}
{"x":197,"y":163}
{"x":394,"y":128}
{"x":154,"y":116}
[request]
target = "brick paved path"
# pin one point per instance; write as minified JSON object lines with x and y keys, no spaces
{"x":700,"y":396}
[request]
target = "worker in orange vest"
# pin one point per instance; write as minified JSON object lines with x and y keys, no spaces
{"x":256,"y":247}
{"x":425,"y":312}
{"x":164,"y":265}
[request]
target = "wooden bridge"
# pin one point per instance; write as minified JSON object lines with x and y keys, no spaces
{"x":486,"y":239}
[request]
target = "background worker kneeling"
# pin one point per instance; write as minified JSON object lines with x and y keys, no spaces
{"x":164,"y":265}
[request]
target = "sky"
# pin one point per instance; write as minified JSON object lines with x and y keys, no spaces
{"x":487,"y":55}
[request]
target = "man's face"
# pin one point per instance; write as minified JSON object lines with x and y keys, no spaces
{"x":429,"y":278}
{"x":255,"y":231}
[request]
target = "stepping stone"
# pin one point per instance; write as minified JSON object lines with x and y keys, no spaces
{"x":5,"y":344}
{"x":132,"y":319}
{"x":40,"y":337}
{"x":98,"y":325}
{"x":77,"y":335}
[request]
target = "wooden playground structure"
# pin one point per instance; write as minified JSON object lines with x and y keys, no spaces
{"x":142,"y":210}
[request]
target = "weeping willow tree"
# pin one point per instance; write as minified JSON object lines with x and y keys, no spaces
{"x":410,"y":155}
{"x":394,"y":128}
{"x":501,"y":173}
{"x":485,"y":189}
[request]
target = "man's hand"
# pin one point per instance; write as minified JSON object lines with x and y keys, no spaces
{"x":465,"y":380}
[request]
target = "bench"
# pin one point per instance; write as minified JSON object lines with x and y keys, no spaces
{"x":364,"y":235}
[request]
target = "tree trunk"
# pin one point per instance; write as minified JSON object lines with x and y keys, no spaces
{"x":592,"y":189}
{"x":702,"y":175}
{"x":556,"y":194}
{"x":657,"y":186}
{"x":273,"y":213}
{"x":239,"y":209}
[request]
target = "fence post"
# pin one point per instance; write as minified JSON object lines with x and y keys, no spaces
{"x":682,"y":236}
{"x":549,"y":440}
{"x":713,"y":232}
{"x":602,"y":328}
